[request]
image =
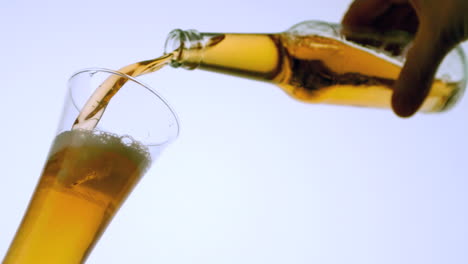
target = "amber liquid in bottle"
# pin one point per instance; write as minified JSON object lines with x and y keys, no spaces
{"x":312,"y":69}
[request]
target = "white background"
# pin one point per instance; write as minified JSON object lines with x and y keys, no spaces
{"x":255,"y":177}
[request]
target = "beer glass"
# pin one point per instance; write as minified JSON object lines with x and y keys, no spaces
{"x":89,"y":173}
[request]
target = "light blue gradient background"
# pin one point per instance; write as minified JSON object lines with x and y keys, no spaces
{"x":255,"y":177}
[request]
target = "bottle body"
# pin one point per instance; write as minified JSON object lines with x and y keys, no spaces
{"x":314,"y":62}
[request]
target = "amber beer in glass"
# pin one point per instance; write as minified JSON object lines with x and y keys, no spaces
{"x":90,"y":172}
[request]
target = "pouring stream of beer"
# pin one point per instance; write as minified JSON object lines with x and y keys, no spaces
{"x":94,"y":108}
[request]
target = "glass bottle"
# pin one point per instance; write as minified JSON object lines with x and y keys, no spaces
{"x":319,"y":62}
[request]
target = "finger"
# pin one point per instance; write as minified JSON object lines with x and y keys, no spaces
{"x":362,"y":13}
{"x":397,"y":17}
{"x":382,"y":15}
{"x":417,"y":74}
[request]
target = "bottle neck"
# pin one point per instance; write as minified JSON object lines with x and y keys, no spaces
{"x":254,"y":56}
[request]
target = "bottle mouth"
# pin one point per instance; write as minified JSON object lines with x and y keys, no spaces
{"x":186,"y":47}
{"x":174,"y":41}
{"x":175,"y":45}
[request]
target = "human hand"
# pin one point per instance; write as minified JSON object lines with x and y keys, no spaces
{"x":438,"y":27}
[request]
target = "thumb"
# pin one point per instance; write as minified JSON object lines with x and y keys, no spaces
{"x":417,"y":74}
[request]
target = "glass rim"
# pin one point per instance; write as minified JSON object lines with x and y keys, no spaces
{"x":144,"y":85}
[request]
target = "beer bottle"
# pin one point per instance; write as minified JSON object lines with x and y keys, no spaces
{"x":319,"y":62}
